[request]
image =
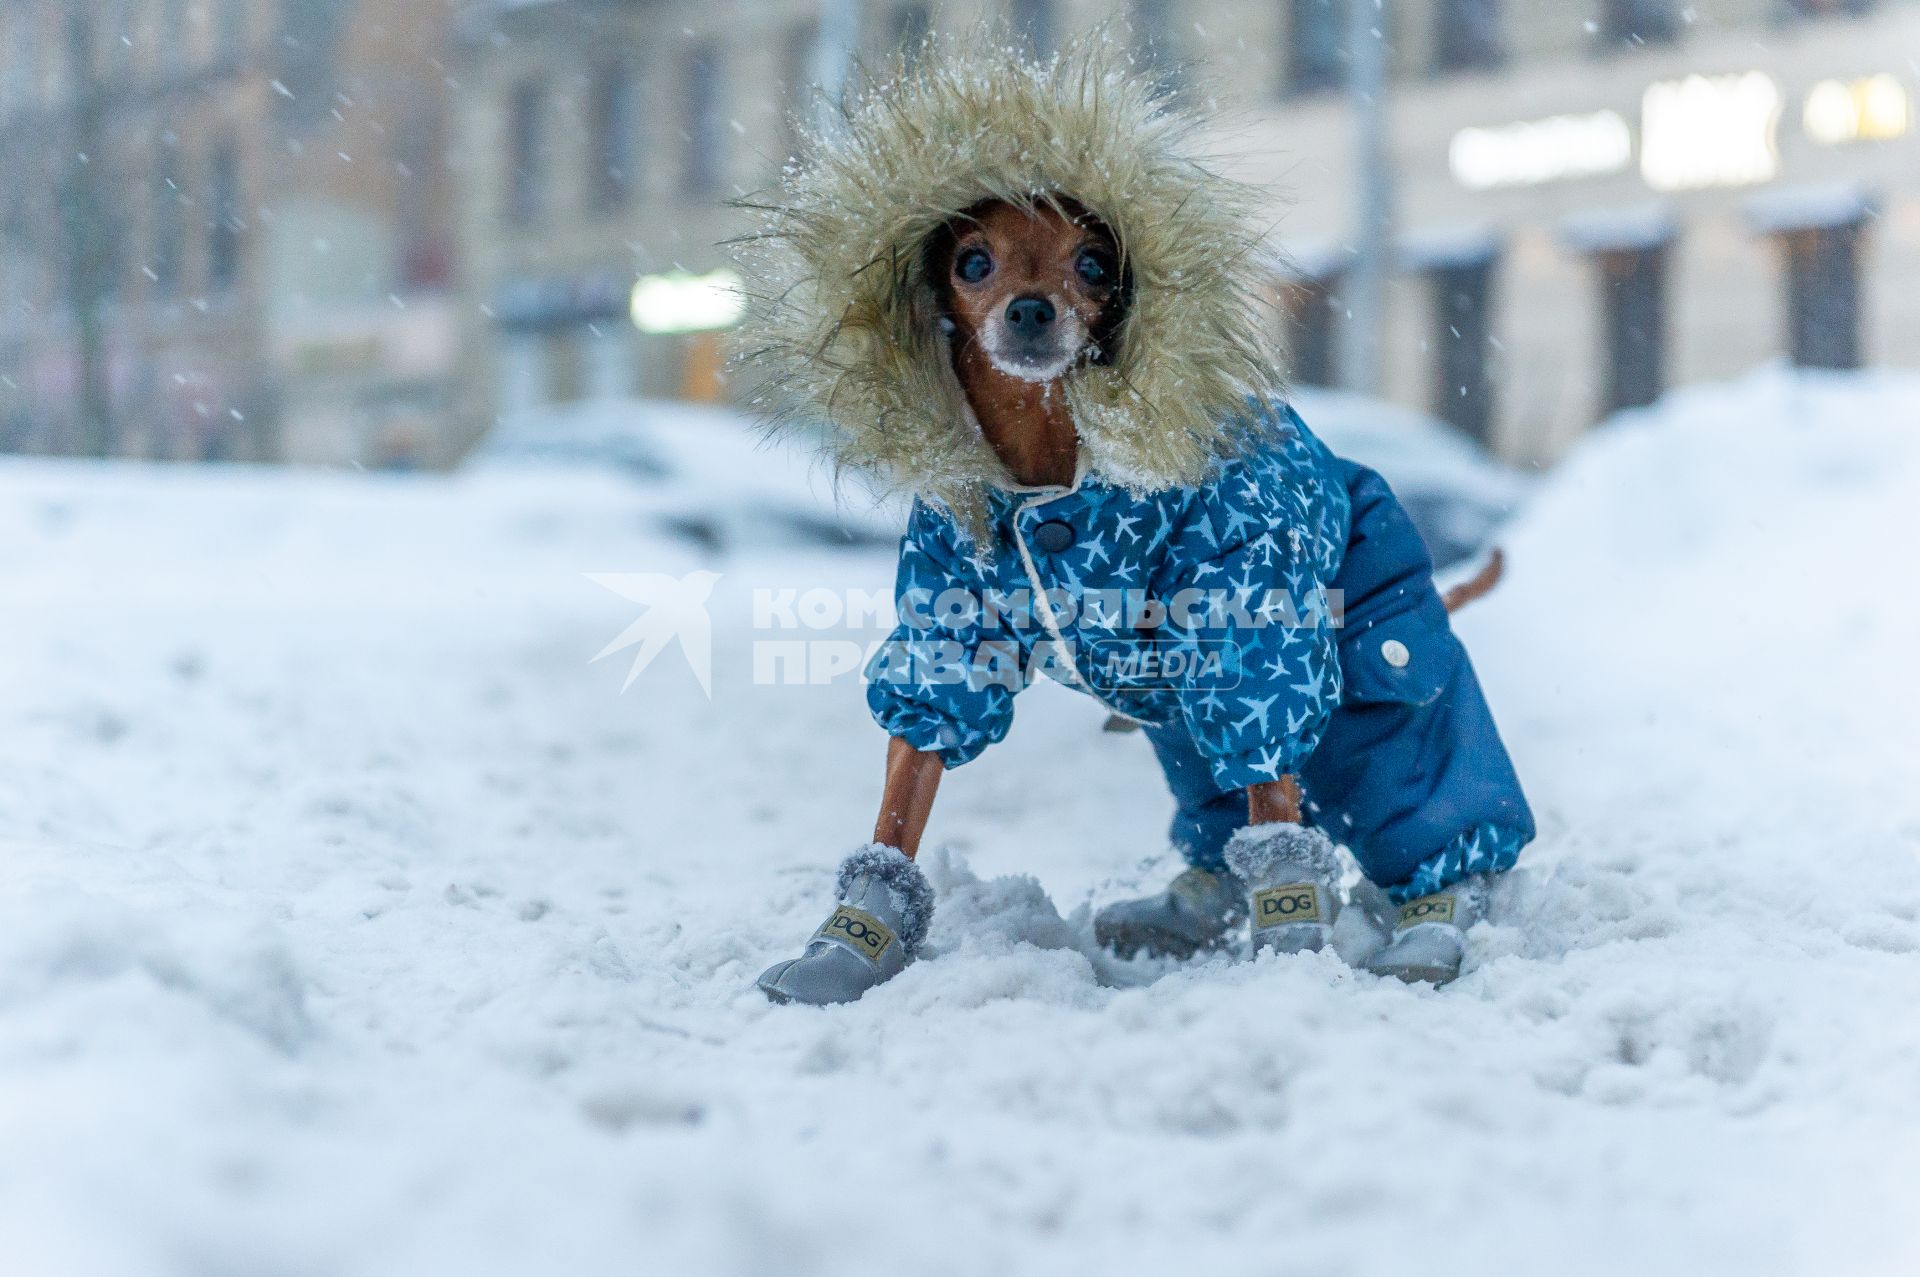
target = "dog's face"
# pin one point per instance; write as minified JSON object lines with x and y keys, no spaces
{"x":1037,"y":289}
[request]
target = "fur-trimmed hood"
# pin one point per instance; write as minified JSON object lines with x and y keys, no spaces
{"x":843,"y":322}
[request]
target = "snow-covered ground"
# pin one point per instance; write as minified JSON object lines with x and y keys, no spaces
{"x":352,"y":922}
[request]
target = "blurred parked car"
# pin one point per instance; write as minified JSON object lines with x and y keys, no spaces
{"x":1456,"y":494}
{"x":707,"y":473}
{"x":710,"y":476}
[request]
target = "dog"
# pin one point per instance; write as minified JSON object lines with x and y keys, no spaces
{"x":1076,"y":383}
{"x":1029,"y":292}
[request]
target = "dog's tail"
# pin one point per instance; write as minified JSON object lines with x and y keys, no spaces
{"x":1478,"y":585}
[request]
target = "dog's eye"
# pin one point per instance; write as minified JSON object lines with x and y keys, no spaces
{"x":1095,"y":267}
{"x":973,"y":265}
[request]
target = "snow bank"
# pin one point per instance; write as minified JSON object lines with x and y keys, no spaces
{"x":351,"y":923}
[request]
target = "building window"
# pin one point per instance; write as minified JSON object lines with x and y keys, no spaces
{"x":797,"y":62}
{"x":169,"y":228}
{"x":1637,"y":22}
{"x":82,"y":49}
{"x":224,"y":223}
{"x":910,"y":26}
{"x":123,"y":34}
{"x":1313,"y":311}
{"x":1463,"y":328}
{"x":1633,"y":284}
{"x":1316,"y":45}
{"x":1155,"y":45}
{"x":611,"y":108}
{"x":1032,"y":21}
{"x":1468,"y":36}
{"x":704,"y":161}
{"x":1823,"y":295}
{"x":174,"y":34}
{"x":425,"y":261}
{"x":230,"y":31}
{"x":526,"y":152}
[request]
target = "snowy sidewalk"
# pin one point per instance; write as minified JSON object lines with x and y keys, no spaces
{"x":351,"y":922}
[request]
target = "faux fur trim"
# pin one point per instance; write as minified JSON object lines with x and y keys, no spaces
{"x":1263,"y":854}
{"x":842,"y":319}
{"x":912,"y":893}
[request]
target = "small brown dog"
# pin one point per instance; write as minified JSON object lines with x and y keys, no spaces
{"x":1106,"y":426}
{"x":1031,"y":292}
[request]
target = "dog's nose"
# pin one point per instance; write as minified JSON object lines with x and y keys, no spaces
{"x":1029,"y":316}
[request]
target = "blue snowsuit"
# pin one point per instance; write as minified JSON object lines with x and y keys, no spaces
{"x":1279,"y":619}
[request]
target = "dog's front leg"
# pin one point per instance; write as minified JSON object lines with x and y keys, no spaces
{"x":884,"y":902}
{"x":913,"y":778}
{"x":1290,"y":872}
{"x":1274,"y":801}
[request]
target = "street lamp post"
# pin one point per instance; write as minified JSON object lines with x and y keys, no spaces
{"x":87,"y":233}
{"x":1364,"y":291}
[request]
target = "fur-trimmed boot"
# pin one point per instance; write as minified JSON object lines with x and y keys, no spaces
{"x":885,"y":908}
{"x":1430,"y":936}
{"x":1198,"y":910}
{"x":1292,"y":877}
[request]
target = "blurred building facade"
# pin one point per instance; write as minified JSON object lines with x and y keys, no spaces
{"x":227,"y":231}
{"x":1599,"y":201}
{"x":360,"y":231}
{"x":1596,"y":199}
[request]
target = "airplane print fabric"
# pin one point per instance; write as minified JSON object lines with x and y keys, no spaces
{"x":1281,"y":617}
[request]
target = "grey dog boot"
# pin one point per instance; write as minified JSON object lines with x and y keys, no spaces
{"x":885,"y":907}
{"x":1430,"y":936}
{"x":1292,"y":877}
{"x":1198,"y":910}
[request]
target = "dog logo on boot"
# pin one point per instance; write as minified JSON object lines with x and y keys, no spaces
{"x":1427,"y":909}
{"x":859,"y":930}
{"x":1290,"y":902}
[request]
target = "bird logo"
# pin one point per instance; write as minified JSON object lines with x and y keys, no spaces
{"x":676,"y":608}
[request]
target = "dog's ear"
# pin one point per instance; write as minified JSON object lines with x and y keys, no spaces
{"x":1111,"y":330}
{"x":936,"y":261}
